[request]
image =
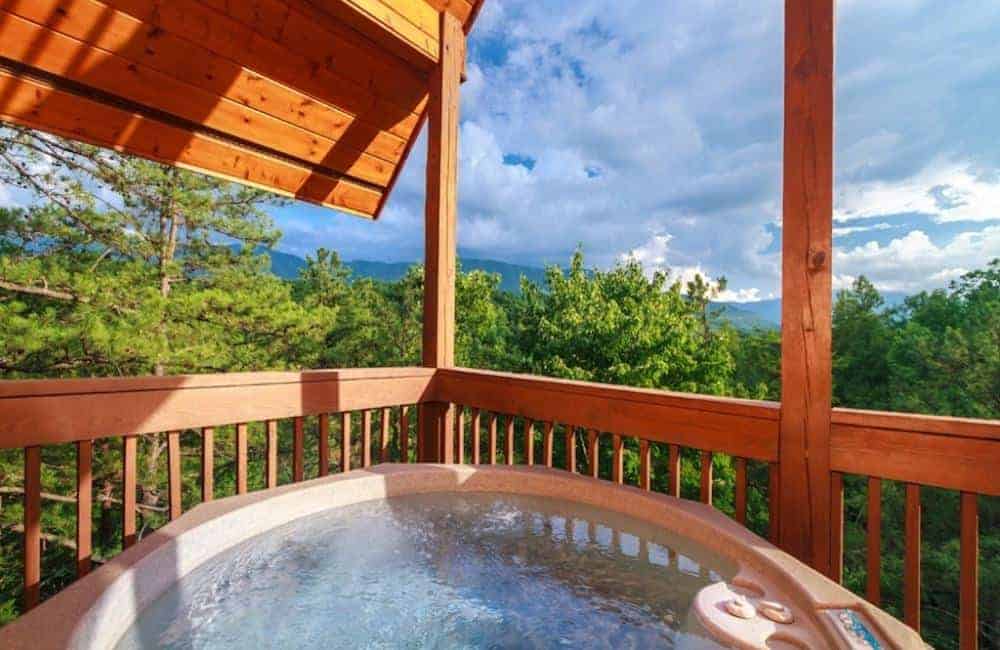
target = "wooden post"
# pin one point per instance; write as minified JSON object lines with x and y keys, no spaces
{"x":441,"y":215}
{"x":806,"y":371}
{"x":32,"y":526}
{"x":84,"y":505}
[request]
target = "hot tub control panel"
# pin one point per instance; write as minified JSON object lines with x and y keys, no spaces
{"x":853,"y":629}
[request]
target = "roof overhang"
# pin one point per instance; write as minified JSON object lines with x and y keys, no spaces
{"x":319,"y":100}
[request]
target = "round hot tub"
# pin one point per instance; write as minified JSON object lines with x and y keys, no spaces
{"x":443,"y":556}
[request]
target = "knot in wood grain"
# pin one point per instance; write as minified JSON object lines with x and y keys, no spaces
{"x":817,"y":259}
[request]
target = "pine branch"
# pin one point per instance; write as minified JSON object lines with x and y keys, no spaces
{"x":44,"y":292}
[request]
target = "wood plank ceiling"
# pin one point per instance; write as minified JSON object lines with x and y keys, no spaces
{"x":315,"y":99}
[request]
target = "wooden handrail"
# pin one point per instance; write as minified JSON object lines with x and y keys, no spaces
{"x":44,"y":412}
{"x":744,"y":428}
{"x":951,"y":453}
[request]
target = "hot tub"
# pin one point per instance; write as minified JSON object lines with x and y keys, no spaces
{"x":455,"y":556}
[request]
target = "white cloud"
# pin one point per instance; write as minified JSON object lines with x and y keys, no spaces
{"x":915,"y":262}
{"x":945,"y":190}
{"x":850,"y":230}
{"x":654,"y":256}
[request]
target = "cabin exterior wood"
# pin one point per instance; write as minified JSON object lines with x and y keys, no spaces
{"x":322,"y":100}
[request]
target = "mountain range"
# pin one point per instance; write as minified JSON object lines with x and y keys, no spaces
{"x":747,"y":315}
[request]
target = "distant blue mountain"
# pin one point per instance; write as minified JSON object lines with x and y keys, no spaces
{"x":287,"y":266}
{"x":745,"y":315}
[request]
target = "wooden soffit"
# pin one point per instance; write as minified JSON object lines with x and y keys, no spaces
{"x":319,"y":100}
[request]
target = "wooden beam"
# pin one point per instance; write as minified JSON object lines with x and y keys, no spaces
{"x":207,"y":464}
{"x":38,"y":104}
{"x":242,"y":453}
{"x":441,"y":211}
{"x":94,"y":67}
{"x":740,"y":427}
{"x":130,"y":460}
{"x":32,"y":526}
{"x":84,"y":505}
{"x":804,"y":447}
{"x":174,"y":474}
{"x":67,"y":410}
{"x":968,"y":608}
{"x":441,"y":215}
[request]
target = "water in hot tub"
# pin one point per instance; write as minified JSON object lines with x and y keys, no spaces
{"x":442,"y":571}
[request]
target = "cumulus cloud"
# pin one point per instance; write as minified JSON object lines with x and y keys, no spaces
{"x":945,"y":190}
{"x":914,"y":262}
{"x":654,"y":255}
{"x":850,"y":230}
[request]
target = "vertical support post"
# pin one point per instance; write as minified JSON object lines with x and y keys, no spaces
{"x":298,"y":449}
{"x":32,"y":526}
{"x":968,"y":598}
{"x":130,"y":460}
{"x":324,"y":444}
{"x":242,"y":455}
{"x":272,"y":453}
{"x":441,"y":215}
{"x":84,"y":505}
{"x":806,"y":371}
{"x":174,"y":474}
{"x":208,"y":464}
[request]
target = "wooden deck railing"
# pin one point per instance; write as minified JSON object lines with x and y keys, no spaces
{"x":955,"y":454}
{"x":537,"y":411}
{"x":38,"y":413}
{"x":499,"y":417}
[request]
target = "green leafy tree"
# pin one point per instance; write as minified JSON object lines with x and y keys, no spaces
{"x":860,"y":348}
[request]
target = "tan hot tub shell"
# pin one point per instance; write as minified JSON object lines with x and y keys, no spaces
{"x":94,"y":612}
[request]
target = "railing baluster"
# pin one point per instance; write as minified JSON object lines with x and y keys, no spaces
{"x":873,"y":588}
{"x":593,"y":452}
{"x":493,"y":439}
{"x":645,"y":464}
{"x":547,"y":443}
{"x":324,"y":444}
{"x":570,"y":437}
{"x":208,"y":464}
{"x":460,"y":434}
{"x":366,"y":438}
{"x":911,"y":561}
{"x":968,"y":637}
{"x":32,"y":525}
{"x":674,"y":471}
{"x":241,"y":458}
{"x":298,"y":449}
{"x":773,"y":501}
{"x":404,"y":434}
{"x":618,"y":459}
{"x":837,"y":527}
{"x":529,"y":442}
{"x":476,"y":437}
{"x":174,"y":474}
{"x":345,"y":441}
{"x":130,"y":452}
{"x":740,"y":503}
{"x":706,"y":477}
{"x":386,"y":436}
{"x":272,"y":453}
{"x":509,"y":441}
{"x":84,"y":505}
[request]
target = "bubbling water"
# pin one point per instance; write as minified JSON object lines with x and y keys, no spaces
{"x":445,"y":570}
